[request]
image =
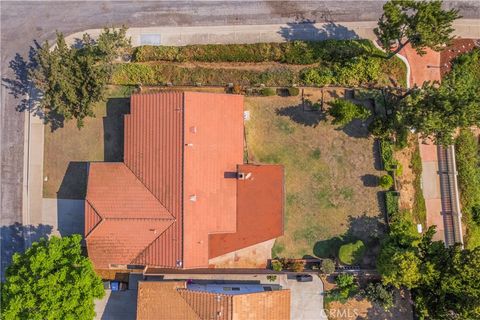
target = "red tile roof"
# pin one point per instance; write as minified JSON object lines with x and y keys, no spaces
{"x":259,"y":210}
{"x":171,"y":300}
{"x":214,"y":131}
{"x":178,"y":185}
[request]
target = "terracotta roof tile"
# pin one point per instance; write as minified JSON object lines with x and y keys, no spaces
{"x":91,"y":218}
{"x":161,"y":301}
{"x":260,"y":200}
{"x":120,"y":241}
{"x":171,"y":300}
{"x":269,"y":305}
{"x":208,"y":305}
{"x":115,"y":192}
{"x":214,"y":146}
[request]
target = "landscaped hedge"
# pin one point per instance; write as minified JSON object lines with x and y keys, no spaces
{"x":468,"y":166}
{"x":158,"y":74}
{"x":161,"y":73}
{"x":339,"y":62}
{"x":386,"y":150}
{"x":391,"y":204}
{"x":295,"y":52}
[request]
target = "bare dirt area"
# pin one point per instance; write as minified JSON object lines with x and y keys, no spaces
{"x":254,"y":66}
{"x":329,"y":170}
{"x":405,"y":181}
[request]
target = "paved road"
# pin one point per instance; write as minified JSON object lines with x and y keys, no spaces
{"x":24,"y":22}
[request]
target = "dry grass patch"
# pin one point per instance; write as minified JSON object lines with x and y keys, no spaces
{"x":326,"y":172}
{"x":67,"y":150}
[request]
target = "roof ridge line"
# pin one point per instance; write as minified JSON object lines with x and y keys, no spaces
{"x":178,"y":290}
{"x":145,"y":249}
{"x":102,"y":219}
{"x":135,"y":218}
{"x":150,"y":191}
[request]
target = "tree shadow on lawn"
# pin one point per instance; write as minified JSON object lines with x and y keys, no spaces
{"x":300,"y":116}
{"x":114,"y":127}
{"x":365,"y":228}
{"x":370,"y":180}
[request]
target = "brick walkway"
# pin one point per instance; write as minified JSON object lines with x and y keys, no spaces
{"x":422,"y":68}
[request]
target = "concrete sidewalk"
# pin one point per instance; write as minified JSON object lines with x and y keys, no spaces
{"x":431,"y":187}
{"x":180,"y":36}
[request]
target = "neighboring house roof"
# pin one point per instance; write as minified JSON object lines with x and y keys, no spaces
{"x":178,"y":185}
{"x":172,"y":300}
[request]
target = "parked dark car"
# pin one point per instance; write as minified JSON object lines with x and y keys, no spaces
{"x":304,"y":278}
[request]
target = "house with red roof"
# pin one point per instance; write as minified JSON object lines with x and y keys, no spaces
{"x":183,"y":194}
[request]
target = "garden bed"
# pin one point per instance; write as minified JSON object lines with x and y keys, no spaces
{"x":323,"y":63}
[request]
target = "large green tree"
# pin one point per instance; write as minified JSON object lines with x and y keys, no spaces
{"x":445,"y":282}
{"x":437,"y":110}
{"x":73,"y":78}
{"x":51,"y":280}
{"x":423,"y":24}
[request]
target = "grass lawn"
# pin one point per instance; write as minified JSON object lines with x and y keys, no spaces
{"x":67,"y":150}
{"x":329,"y":195}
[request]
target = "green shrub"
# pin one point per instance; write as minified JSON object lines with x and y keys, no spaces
{"x":345,"y":111}
{"x":391,"y":204}
{"x":342,"y":62}
{"x":328,"y":266}
{"x":295,"y":52}
{"x":468,"y":166}
{"x":268,"y":92}
{"x":386,"y":149}
{"x":386,"y":181}
{"x":346,"y":288}
{"x":293,"y":91}
{"x":351,"y":253}
{"x":155,"y":74}
{"x":133,"y":73}
{"x":378,"y":293}
{"x":277,"y":265}
{"x":271,"y":278}
{"x":399,"y":170}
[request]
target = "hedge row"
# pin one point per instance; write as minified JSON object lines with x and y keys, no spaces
{"x":296,"y":52}
{"x":159,"y":74}
{"x":391,"y":204}
{"x":386,"y":151}
{"x":468,"y":165}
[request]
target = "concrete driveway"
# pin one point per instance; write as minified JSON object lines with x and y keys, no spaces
{"x":117,"y":305}
{"x":306,"y":299}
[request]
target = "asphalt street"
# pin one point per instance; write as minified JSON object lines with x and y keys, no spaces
{"x":24,"y":22}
